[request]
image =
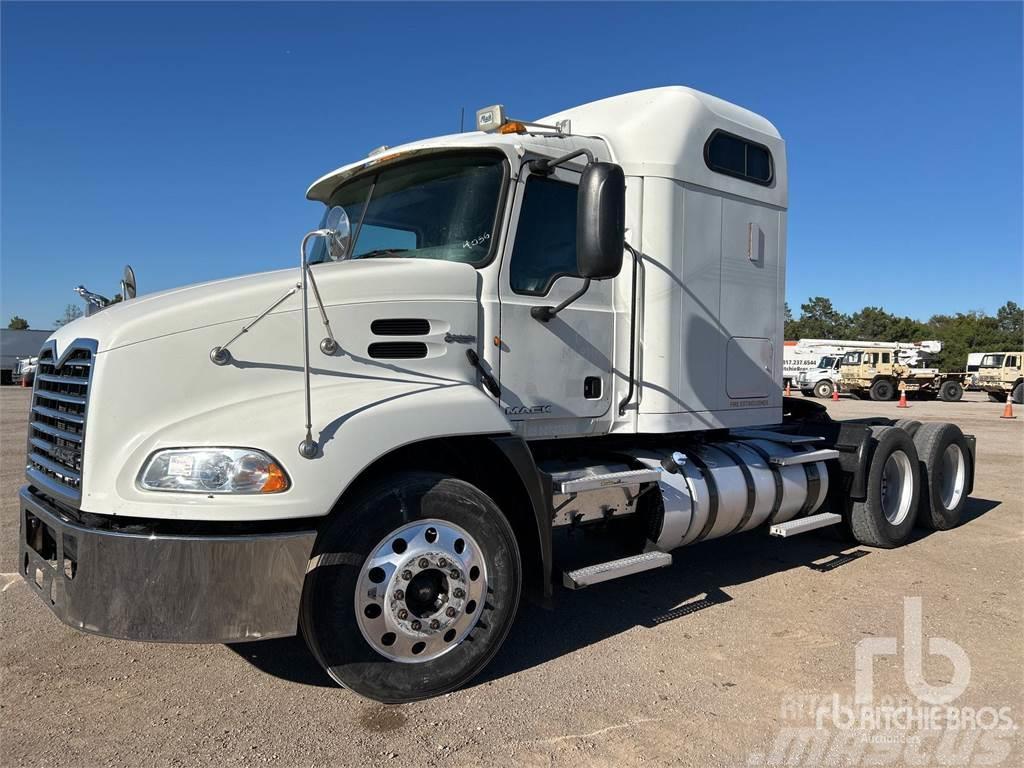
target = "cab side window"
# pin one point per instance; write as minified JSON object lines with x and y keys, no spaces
{"x":545,"y":246}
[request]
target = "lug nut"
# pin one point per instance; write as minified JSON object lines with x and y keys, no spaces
{"x":442,"y":563}
{"x":399,"y":594}
{"x":406,"y":575}
{"x":450,"y":613}
{"x":459,"y":592}
{"x":416,"y":625}
{"x":455,"y":573}
{"x":424,"y":563}
{"x":403,"y":614}
{"x":434,"y":623}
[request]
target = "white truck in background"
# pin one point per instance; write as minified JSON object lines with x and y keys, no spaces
{"x":573,"y":323}
{"x":15,"y":346}
{"x":821,"y":378}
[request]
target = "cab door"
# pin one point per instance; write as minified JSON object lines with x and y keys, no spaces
{"x":556,"y":376}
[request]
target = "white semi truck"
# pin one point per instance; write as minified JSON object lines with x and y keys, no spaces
{"x":573,"y":322}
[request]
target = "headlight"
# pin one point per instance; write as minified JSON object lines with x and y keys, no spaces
{"x":213,"y":470}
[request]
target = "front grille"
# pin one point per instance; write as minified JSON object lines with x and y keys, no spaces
{"x":56,"y":434}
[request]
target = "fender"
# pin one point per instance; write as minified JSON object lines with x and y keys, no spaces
{"x":355,"y":423}
{"x":538,"y":488}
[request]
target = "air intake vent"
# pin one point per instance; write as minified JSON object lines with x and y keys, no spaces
{"x":400,"y":326}
{"x":397,"y":350}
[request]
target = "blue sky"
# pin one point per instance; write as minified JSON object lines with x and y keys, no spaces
{"x":181,"y":137}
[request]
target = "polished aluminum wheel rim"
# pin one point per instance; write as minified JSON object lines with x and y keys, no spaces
{"x":421,"y":591}
{"x":952,"y":476}
{"x":897,"y":487}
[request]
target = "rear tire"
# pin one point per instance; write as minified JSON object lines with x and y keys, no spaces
{"x":886,"y":517}
{"x":910,"y":426}
{"x":882,"y":390}
{"x":951,"y":391}
{"x":946,"y":468}
{"x":824,"y":389}
{"x":407,"y":524}
{"x":1018,"y":394}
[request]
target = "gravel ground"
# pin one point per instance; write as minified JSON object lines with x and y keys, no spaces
{"x":698,"y":664}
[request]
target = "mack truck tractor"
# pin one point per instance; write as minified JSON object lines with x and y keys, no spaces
{"x":573,"y":322}
{"x":1001,"y":375}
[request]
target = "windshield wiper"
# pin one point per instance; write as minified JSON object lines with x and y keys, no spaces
{"x":381,"y":252}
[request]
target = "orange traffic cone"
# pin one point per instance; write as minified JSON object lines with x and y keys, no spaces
{"x":835,"y":393}
{"x":1008,"y":408}
{"x":787,"y":389}
{"x":903,"y":399}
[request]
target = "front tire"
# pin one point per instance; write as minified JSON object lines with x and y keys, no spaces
{"x":886,"y":516}
{"x":882,"y":390}
{"x":824,"y":389}
{"x":951,"y":391}
{"x":412,"y":588}
{"x":1018,"y":394}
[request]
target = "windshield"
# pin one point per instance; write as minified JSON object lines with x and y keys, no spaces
{"x":441,"y":207}
{"x":992,"y":361}
{"x":827,"y":362}
{"x":852,"y":358}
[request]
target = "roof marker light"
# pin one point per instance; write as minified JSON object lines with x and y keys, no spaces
{"x":490,"y":119}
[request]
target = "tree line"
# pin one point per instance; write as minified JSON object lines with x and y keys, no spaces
{"x":960,"y":334}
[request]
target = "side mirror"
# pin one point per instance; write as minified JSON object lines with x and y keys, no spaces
{"x":339,"y":233}
{"x":600,"y":221}
{"x":128,"y":286}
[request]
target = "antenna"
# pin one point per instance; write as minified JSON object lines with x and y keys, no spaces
{"x":462,"y":117}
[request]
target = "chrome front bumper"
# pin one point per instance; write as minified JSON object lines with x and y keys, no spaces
{"x":162,"y":588}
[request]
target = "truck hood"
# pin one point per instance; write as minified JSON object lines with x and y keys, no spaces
{"x":235,"y":300}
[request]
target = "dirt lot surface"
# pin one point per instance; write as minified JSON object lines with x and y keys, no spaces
{"x":706,"y":663}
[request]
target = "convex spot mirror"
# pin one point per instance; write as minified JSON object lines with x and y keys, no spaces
{"x":339,"y":233}
{"x":600,"y":221}
{"x":128,"y":285}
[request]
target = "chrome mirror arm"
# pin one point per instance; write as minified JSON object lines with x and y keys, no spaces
{"x":328,"y":345}
{"x":221,"y":356}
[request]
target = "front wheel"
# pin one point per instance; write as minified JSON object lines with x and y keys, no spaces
{"x":882,"y":390}
{"x":824,"y":389}
{"x":1018,"y":394}
{"x":951,"y":391}
{"x":412,"y":588}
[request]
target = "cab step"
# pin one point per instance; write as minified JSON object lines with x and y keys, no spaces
{"x":615,"y":569}
{"x":567,"y":482}
{"x":804,"y":524}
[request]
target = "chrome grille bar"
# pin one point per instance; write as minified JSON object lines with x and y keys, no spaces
{"x":60,"y":399}
{"x":50,"y":413}
{"x":52,"y":379}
